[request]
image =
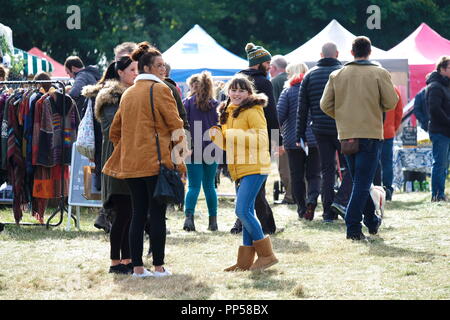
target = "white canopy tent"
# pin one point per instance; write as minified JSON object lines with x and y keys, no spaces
{"x":197,"y":51}
{"x":309,"y":53}
{"x":335,"y":32}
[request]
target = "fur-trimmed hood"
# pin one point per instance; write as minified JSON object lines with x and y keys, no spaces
{"x":91,"y":91}
{"x":259,"y":99}
{"x":110,"y":93}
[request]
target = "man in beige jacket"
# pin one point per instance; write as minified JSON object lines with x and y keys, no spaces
{"x":356,"y":97}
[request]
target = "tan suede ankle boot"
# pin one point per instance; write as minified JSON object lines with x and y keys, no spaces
{"x":266,"y":258}
{"x":246,"y":256}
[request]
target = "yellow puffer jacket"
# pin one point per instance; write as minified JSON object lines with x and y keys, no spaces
{"x":244,"y":137}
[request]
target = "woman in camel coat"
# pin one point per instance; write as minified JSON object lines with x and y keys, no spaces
{"x":135,"y":156}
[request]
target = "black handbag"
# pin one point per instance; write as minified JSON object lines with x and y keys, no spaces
{"x":169,"y":186}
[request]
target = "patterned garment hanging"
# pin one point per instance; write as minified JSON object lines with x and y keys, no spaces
{"x":31,"y":147}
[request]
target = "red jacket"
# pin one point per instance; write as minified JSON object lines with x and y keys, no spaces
{"x":393,"y":118}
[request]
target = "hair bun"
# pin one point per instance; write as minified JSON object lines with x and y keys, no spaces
{"x":249,"y":46}
{"x":141,"y":49}
{"x":144,"y":45}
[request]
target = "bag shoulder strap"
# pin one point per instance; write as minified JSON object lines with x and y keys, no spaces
{"x":154,"y":120}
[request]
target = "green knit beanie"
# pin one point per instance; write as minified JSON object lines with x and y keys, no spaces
{"x":256,"y":54}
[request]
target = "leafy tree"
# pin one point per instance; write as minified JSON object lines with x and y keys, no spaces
{"x":280,"y":26}
{"x":16,"y":62}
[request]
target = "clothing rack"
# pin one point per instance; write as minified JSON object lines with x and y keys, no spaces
{"x":62,"y":206}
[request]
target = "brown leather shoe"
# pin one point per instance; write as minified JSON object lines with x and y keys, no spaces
{"x":309,"y":214}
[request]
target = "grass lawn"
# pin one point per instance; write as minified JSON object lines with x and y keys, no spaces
{"x":408,"y":260}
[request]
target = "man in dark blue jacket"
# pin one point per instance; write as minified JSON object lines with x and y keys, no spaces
{"x":438,"y":98}
{"x":324,"y":128}
{"x":421,"y":110}
{"x":83,"y":76}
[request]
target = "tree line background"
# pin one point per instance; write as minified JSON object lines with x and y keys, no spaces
{"x":279,"y":26}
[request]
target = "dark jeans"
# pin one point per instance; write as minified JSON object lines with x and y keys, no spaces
{"x":304,"y":166}
{"x":387,"y":163}
{"x":328,"y":145}
{"x":264,"y":212}
{"x":142,"y":199}
{"x":441,"y":151}
{"x":119,"y":235}
{"x":362,"y":165}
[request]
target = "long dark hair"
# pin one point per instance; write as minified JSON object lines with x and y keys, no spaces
{"x":111,"y":73}
{"x":239,"y":81}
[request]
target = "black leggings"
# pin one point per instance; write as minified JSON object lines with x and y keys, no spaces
{"x":119,"y":238}
{"x":143,"y":203}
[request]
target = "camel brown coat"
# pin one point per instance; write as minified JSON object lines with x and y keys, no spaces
{"x":133,"y":135}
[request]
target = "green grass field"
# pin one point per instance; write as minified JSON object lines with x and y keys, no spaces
{"x":409,"y":259}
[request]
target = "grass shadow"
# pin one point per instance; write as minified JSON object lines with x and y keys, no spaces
{"x":263,"y":280}
{"x":175,"y":287}
{"x":195,"y":237}
{"x":337,"y":225}
{"x":36,"y":233}
{"x":377,"y":247}
{"x":289,"y":246}
{"x":404,"y":205}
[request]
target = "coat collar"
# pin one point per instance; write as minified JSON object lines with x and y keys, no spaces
{"x":253,"y":100}
{"x":147,"y":76}
{"x":364,"y":63}
{"x":326,"y":62}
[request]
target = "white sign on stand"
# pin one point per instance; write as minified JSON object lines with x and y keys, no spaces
{"x":76,"y":187}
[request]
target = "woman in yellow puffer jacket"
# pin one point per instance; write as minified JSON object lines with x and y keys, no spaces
{"x":243,"y":134}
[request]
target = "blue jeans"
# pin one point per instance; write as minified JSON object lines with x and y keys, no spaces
{"x":198,"y":175}
{"x":246,"y":192}
{"x":362,"y":165}
{"x":441,"y":150}
{"x":387,"y":163}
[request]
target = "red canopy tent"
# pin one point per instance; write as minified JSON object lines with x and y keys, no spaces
{"x":59,"y":70}
{"x":423,"y":48}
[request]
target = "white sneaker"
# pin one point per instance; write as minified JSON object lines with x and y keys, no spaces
{"x":158,"y":274}
{"x":145,"y":274}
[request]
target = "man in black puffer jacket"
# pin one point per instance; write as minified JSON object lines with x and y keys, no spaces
{"x":324,"y":128}
{"x":259,"y":64}
{"x":438,"y":99}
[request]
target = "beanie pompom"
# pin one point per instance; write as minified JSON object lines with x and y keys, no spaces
{"x":249,"y":46}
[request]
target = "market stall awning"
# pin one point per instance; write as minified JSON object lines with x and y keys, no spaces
{"x":423,"y":48}
{"x":33,"y":64}
{"x":59,"y":70}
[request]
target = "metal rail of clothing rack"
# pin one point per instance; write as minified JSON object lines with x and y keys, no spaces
{"x":62,"y":206}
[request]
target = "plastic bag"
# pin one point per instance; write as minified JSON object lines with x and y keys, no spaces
{"x":85,"y":143}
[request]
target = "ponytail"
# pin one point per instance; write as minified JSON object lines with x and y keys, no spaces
{"x":110,"y":73}
{"x":205,"y":91}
